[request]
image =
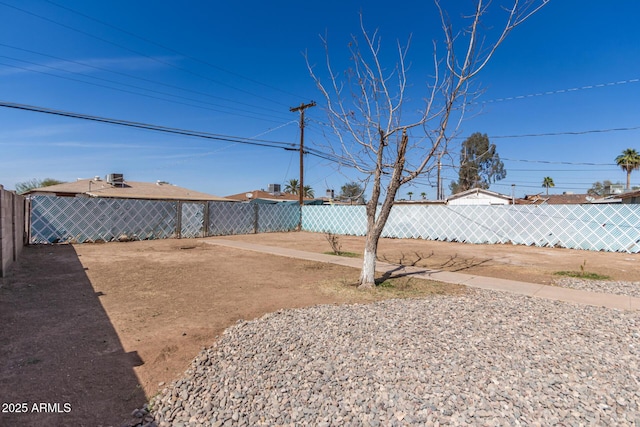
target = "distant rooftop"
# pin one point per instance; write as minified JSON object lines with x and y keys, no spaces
{"x":562,"y":199}
{"x":97,"y":187}
{"x":248,"y":196}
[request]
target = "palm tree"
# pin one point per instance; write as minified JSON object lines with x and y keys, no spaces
{"x":548,"y":182}
{"x":410,"y":193}
{"x":629,"y":161}
{"x":308,"y":192}
{"x":292,"y":186}
{"x":423,"y":195}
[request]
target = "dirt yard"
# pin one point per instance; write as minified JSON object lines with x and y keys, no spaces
{"x":525,"y":263}
{"x":93,"y":331}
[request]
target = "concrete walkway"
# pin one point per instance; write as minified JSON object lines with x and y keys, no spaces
{"x":620,"y":302}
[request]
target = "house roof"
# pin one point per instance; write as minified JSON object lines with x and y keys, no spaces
{"x":477,"y":191}
{"x":420,"y":202}
{"x":628,"y":194}
{"x":557,"y":199}
{"x":265,"y":195}
{"x":127,"y":190}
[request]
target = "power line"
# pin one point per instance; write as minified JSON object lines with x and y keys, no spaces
{"x":138,"y":53}
{"x":583,"y":132}
{"x":171,"y":50}
{"x":558,"y":91}
{"x":84,"y":64}
{"x":533,"y":135}
{"x":557,"y":181}
{"x":561,"y":170}
{"x":177,"y":131}
{"x":558,"y":163}
{"x":289,"y":146}
{"x":157,"y":128}
{"x":129,"y":91}
{"x":233,"y":144}
{"x":560,"y":186}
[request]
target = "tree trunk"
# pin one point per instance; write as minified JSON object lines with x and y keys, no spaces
{"x":376,"y":225}
{"x":368,"y":273}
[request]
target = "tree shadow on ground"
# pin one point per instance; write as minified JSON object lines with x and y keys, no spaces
{"x":397,"y":273}
{"x":453,"y":263}
{"x":59,"y":348}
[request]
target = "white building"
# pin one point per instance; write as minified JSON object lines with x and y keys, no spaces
{"x":479,"y":196}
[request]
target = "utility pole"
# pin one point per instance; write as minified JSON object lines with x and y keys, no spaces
{"x":301,"y":108}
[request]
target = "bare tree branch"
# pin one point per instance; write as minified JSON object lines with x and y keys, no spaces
{"x":371,"y":122}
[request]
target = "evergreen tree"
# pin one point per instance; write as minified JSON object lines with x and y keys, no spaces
{"x":23,"y":187}
{"x":480,"y":164}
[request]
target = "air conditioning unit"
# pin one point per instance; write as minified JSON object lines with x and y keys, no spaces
{"x":612,"y":189}
{"x":115,"y":179}
{"x":274,"y":188}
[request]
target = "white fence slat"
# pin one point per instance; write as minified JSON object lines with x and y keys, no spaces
{"x":614,"y":228}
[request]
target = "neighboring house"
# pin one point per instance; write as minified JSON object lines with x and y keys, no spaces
{"x":420,"y":202}
{"x":261,"y":196}
{"x":479,"y":196}
{"x":566,"y":199}
{"x":115,"y":187}
{"x":632,"y":197}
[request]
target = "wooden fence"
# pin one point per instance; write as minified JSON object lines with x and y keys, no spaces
{"x":13,"y":228}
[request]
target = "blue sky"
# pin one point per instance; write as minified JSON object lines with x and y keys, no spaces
{"x":235,"y":68}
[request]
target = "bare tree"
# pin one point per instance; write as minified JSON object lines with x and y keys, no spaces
{"x":367,"y":109}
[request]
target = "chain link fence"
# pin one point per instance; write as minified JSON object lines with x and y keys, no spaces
{"x":79,"y":219}
{"x":614,"y":228}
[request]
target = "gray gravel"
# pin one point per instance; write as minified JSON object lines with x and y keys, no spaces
{"x":487,"y":358}
{"x":631,"y":289}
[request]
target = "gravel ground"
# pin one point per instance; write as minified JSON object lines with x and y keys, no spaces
{"x":631,"y":289}
{"x":486,"y":358}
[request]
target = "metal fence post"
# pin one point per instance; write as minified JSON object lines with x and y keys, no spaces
{"x":255,"y":218}
{"x":300,"y":221}
{"x":26,"y":232}
{"x":205,"y":220}
{"x":179,"y":220}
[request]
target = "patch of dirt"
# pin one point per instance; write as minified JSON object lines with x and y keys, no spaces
{"x":516,"y":262}
{"x":93,"y":330}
